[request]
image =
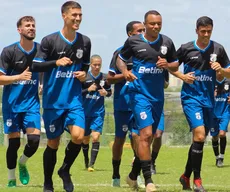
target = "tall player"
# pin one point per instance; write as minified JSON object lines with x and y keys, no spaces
{"x":95,"y":89}
{"x":20,"y":102}
{"x":203,"y":57}
{"x":64,"y":56}
{"x":151,"y":53}
{"x":122,"y":112}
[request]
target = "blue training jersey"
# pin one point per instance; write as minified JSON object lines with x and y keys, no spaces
{"x":20,"y":96}
{"x":150,"y":78}
{"x":198,"y":60}
{"x":60,"y":89}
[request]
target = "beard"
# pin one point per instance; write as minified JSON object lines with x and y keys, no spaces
{"x":28,"y":37}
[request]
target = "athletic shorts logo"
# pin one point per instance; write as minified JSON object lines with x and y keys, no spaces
{"x":164,"y":50}
{"x":226,"y":87}
{"x":212,"y":130}
{"x":198,"y":116}
{"x":125,"y":128}
{"x":213,"y":57}
{"x":52,"y":128}
{"x":143,"y":115}
{"x":79,"y":53}
{"x":9,"y":122}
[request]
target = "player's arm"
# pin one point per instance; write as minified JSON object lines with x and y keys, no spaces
{"x":187,"y":78}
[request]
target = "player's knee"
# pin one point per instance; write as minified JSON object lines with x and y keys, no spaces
{"x":222,"y":134}
{"x":199,"y":138}
{"x":119,"y":141}
{"x":77,"y":137}
{"x":33,"y":143}
{"x":158,"y":136}
{"x":14,"y":143}
{"x":215,"y":138}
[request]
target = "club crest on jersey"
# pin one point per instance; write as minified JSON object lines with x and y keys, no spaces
{"x":52,"y":128}
{"x":164,"y":50}
{"x":213,"y":57}
{"x":102,"y":83}
{"x":226,"y":87}
{"x":143,"y":115}
{"x":79,"y":53}
{"x":9,"y":122}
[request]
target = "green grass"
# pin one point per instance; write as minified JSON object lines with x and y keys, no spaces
{"x":170,"y":165}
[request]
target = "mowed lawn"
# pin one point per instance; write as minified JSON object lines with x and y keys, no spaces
{"x":170,"y":165}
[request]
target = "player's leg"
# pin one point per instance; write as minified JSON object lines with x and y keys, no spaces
{"x":86,"y":140}
{"x":214,"y":132}
{"x":32,"y":126}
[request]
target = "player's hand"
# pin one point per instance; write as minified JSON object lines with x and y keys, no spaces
{"x":63,"y":61}
{"x":81,"y":75}
{"x":25,"y":75}
{"x":215,"y":66}
{"x":102,"y":92}
{"x":129,"y":76}
{"x":189,"y":77}
{"x":92,"y":87}
{"x":162,"y":63}
{"x":228,"y":99}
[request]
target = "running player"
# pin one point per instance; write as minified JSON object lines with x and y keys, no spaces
{"x":203,"y":58}
{"x":95,"y":89}
{"x":64,"y":57}
{"x":151,"y":53}
{"x":20,"y":102}
{"x":122,"y":112}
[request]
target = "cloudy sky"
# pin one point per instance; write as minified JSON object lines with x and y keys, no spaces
{"x":104,"y":21}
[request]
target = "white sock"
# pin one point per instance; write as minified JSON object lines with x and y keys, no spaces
{"x":11,"y":174}
{"x":23,"y":159}
{"x":217,"y":157}
{"x":221,"y":156}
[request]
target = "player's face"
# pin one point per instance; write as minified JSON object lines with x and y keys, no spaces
{"x":204,"y":34}
{"x":153,"y":25}
{"x":95,"y":65}
{"x":27,"y":30}
{"x":138,"y":28}
{"x":72,"y":18}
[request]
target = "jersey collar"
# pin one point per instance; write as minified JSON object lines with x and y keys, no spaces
{"x":66,"y":40}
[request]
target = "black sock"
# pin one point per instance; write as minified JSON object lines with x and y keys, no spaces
{"x":188,"y":168}
{"x":116,"y":168}
{"x":94,"y":152}
{"x":136,"y":169}
{"x":223,"y":142}
{"x":49,"y":161}
{"x":196,"y":156}
{"x":85,"y":149}
{"x":71,"y":152}
{"x":154,"y":157}
{"x":215,"y":146}
{"x":146,"y":170}
{"x":12,"y":153}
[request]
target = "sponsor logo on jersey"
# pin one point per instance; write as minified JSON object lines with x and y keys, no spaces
{"x":194,"y":57}
{"x":164,"y":50}
{"x":26,"y":82}
{"x":18,"y":62}
{"x":88,"y":96}
{"x":62,"y":74}
{"x":52,"y":128}
{"x":79,"y":53}
{"x":9,"y":122}
{"x":61,"y":52}
{"x":220,"y":99}
{"x":151,"y":70}
{"x":213,"y":57}
{"x":143,"y":115}
{"x":203,"y":78}
{"x":141,"y":50}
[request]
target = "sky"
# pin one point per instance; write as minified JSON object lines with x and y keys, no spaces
{"x":104,"y":21}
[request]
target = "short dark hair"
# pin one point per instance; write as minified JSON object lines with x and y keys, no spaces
{"x":129,"y":26}
{"x":69,"y":4}
{"x":151,"y":12}
{"x":24,"y":18}
{"x":204,"y":21}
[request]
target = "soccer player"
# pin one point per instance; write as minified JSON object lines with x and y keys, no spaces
{"x":20,"y":101}
{"x":221,"y":120}
{"x":95,"y":89}
{"x":64,"y":58}
{"x":151,"y":53}
{"x":203,"y":57}
{"x":122,"y":112}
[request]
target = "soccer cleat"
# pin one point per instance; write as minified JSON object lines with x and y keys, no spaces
{"x":116,"y":183}
{"x":23,"y":174}
{"x":131,"y":183}
{"x":150,"y":187}
{"x":48,"y":188}
{"x":197,"y":185}
{"x":67,"y":182}
{"x":153,"y":169}
{"x":11,"y":183}
{"x":90,"y":169}
{"x":185,"y":182}
{"x":220,"y":162}
{"x":140,"y":183}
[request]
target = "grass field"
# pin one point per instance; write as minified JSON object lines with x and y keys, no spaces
{"x":170,"y":165}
